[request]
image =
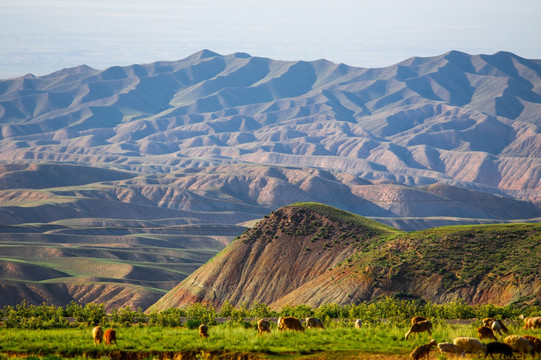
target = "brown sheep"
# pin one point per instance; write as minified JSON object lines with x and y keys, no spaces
{"x":448,"y":348}
{"x":532,"y":323}
{"x":312,"y":322}
{"x":290,"y":323}
{"x":203,"y":331}
{"x":535,"y":342}
{"x":109,"y":336}
{"x":486,"y":333}
{"x":420,"y":327}
{"x":417,"y":318}
{"x":263,"y":326}
{"x":423,"y":350}
{"x":97,"y":335}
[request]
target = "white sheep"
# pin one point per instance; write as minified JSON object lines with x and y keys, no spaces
{"x":470,"y":345}
{"x":312,"y":322}
{"x":519,"y":344}
{"x":358,"y":323}
{"x":488,"y":321}
{"x":498,"y":326}
{"x":97,"y":335}
{"x":532,"y":322}
{"x":450,"y":349}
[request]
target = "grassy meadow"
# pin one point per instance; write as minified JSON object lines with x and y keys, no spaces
{"x":49,"y":332}
{"x":339,"y":340}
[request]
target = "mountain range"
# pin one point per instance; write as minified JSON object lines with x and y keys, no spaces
{"x":173,"y":159}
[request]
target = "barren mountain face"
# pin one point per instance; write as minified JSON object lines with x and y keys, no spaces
{"x":458,"y":119}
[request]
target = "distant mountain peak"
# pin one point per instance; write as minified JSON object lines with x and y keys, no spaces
{"x":203,"y":54}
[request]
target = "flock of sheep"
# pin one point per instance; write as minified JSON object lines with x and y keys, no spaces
{"x":109,"y":336}
{"x":460,"y":345}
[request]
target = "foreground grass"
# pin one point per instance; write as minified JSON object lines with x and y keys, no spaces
{"x":384,"y":339}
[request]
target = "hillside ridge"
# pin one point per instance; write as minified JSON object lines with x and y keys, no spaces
{"x":314,"y":254}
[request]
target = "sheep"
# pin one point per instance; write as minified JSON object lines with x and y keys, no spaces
{"x":423,"y":350}
{"x":532,"y":323}
{"x":263,"y":326}
{"x":420,"y":327}
{"x":203,"y":331}
{"x":312,"y":322}
{"x":97,"y":335}
{"x":536,"y":342}
{"x":519,"y":344}
{"x":358,"y":323}
{"x":486,"y":332}
{"x":498,"y":326}
{"x":450,"y":349}
{"x":499,"y":348}
{"x":289,"y":323}
{"x":109,"y":336}
{"x":470,"y":345}
{"x":417,"y":318}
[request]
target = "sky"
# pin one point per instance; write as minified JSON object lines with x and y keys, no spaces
{"x":43,"y":36}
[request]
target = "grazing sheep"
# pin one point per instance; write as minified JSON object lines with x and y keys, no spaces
{"x":470,"y":345}
{"x":423,"y":350}
{"x":203,"y":331}
{"x":486,"y":333}
{"x":498,"y":326}
{"x":109,"y":336}
{"x":263,"y":326}
{"x":358,"y":323}
{"x":290,"y":323}
{"x":535,"y":342}
{"x":499,"y":348}
{"x":488,"y":321}
{"x":417,"y":318}
{"x":97,"y":335}
{"x":312,"y":322}
{"x":532,"y":323}
{"x":420,"y":327}
{"x":450,"y":349}
{"x":519,"y":344}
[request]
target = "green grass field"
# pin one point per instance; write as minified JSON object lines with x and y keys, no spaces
{"x":340,"y":341}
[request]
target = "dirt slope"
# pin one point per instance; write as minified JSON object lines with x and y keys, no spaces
{"x":289,"y":248}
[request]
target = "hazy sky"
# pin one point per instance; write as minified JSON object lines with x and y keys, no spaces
{"x":42,"y":36}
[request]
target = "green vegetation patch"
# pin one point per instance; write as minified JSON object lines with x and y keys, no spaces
{"x":464,"y":255}
{"x":345,"y":216}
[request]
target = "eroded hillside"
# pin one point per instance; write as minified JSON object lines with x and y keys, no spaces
{"x":314,"y":254}
{"x":464,"y":120}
